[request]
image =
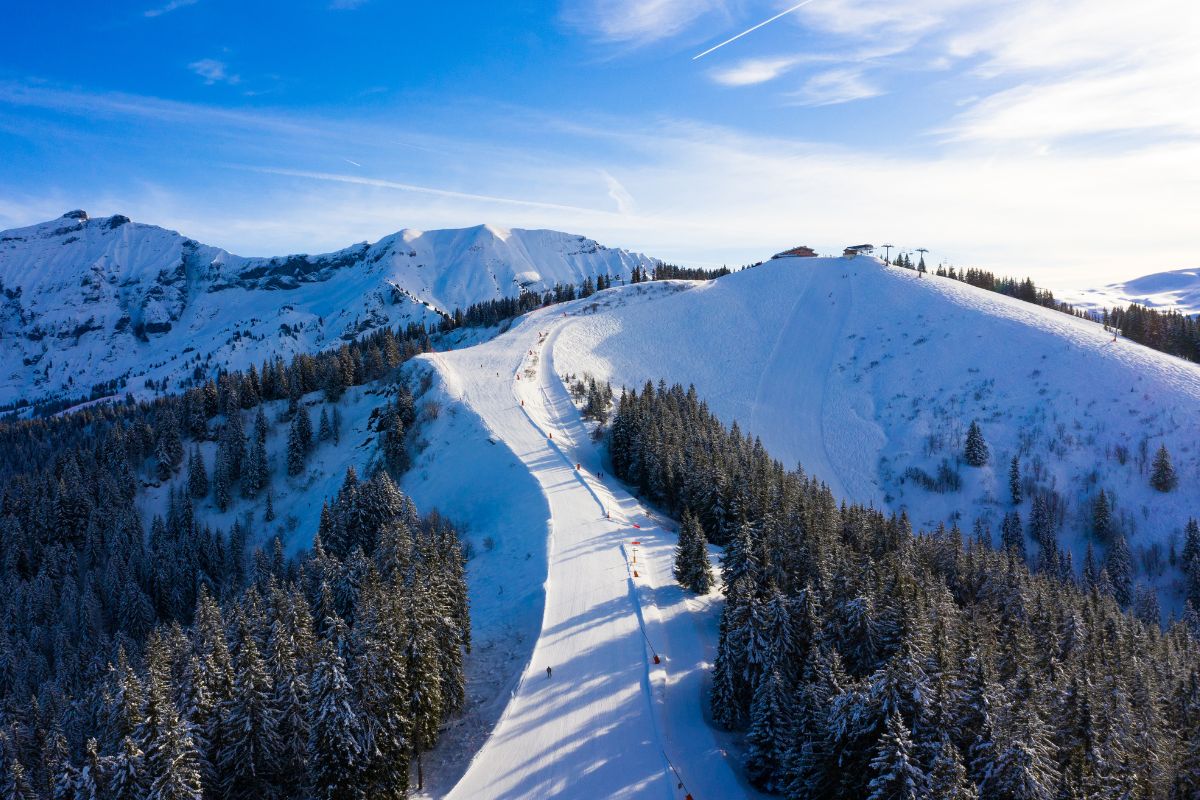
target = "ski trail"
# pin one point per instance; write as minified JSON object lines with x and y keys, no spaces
{"x":611,"y":722}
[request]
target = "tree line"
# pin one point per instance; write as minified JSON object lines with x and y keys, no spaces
{"x":861,"y":660}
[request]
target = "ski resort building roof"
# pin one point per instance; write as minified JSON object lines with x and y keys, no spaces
{"x":797,"y":252}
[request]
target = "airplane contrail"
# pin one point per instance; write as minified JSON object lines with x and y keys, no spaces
{"x":752,"y":30}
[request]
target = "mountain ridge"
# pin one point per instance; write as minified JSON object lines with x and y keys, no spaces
{"x":90,"y":304}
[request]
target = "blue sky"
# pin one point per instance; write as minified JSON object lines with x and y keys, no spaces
{"x":1059,"y":138}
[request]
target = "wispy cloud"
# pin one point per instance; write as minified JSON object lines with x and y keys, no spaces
{"x":637,"y":22}
{"x":430,"y":190}
{"x":752,"y":71}
{"x":703,"y":193}
{"x":214,"y":71}
{"x":174,"y":5}
{"x":347,"y":5}
{"x":619,"y":194}
{"x":835,"y":86}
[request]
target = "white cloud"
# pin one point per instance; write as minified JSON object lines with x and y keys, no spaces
{"x":1067,"y":69}
{"x":619,"y":194}
{"x":835,"y":86}
{"x":636,"y":22}
{"x":169,"y":7}
{"x":213,"y":71}
{"x":703,"y":193}
{"x":751,"y":71}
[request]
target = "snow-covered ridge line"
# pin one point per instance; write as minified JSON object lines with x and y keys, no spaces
{"x":870,"y":376}
{"x":110,"y":301}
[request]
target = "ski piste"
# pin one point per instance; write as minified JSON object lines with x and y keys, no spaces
{"x":609,"y":722}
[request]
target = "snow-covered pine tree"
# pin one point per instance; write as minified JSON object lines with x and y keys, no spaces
{"x":1190,"y":562}
{"x":424,"y":686}
{"x":197,"y":477}
{"x":299,"y":442}
{"x":335,"y":423}
{"x":324,"y":430}
{"x":765,"y":743}
{"x":335,"y":758}
{"x":1012,"y":534}
{"x":692,"y":567}
{"x":896,"y":773}
{"x":382,"y":680}
{"x":249,"y":759}
{"x":1163,"y":476}
{"x":976,"y":451}
{"x":1014,"y":480}
{"x":1119,"y":566}
{"x":1101,"y":517}
{"x":947,"y":775}
{"x":256,"y":473}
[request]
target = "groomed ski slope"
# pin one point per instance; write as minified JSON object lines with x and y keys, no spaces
{"x":862,"y":372}
{"x":610,"y":722}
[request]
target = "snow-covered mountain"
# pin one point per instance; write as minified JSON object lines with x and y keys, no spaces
{"x":88,"y":301}
{"x":1177,"y":290}
{"x":869,"y":376}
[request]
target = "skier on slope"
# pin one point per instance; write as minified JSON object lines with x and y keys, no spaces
{"x":548,"y":671}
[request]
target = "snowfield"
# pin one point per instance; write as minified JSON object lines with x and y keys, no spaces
{"x":857,"y":371}
{"x":609,"y":722}
{"x":861,"y":372}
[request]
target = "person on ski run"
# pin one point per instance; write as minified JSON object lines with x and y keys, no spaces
{"x":548,"y":670}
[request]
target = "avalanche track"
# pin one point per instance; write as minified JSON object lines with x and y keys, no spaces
{"x":610,"y":722}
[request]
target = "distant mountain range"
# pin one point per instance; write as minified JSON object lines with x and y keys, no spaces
{"x":113,"y":303}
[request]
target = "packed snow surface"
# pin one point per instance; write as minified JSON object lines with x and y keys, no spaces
{"x":609,"y":721}
{"x":864,"y":373}
{"x":87,"y":301}
{"x":861,"y":373}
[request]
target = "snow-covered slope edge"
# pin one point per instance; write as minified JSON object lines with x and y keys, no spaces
{"x":90,"y":301}
{"x":862,"y":372}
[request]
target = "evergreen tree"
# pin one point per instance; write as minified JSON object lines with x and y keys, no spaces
{"x":976,"y":451}
{"x":197,"y":475}
{"x":299,"y":442}
{"x":1012,"y":534}
{"x":324,"y":430}
{"x":1163,"y":476}
{"x":1101,"y":517}
{"x":256,"y":473}
{"x":249,"y":758}
{"x":335,"y":731}
{"x":1014,"y":480}
{"x":1119,"y":566}
{"x":947,"y":775}
{"x":692,"y":567}
{"x":768,"y":724}
{"x":896,"y":774}
{"x":1190,"y":562}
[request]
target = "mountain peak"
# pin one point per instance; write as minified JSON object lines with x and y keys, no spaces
{"x":87,"y":310}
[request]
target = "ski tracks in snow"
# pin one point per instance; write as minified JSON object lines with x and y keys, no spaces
{"x":610,"y":723}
